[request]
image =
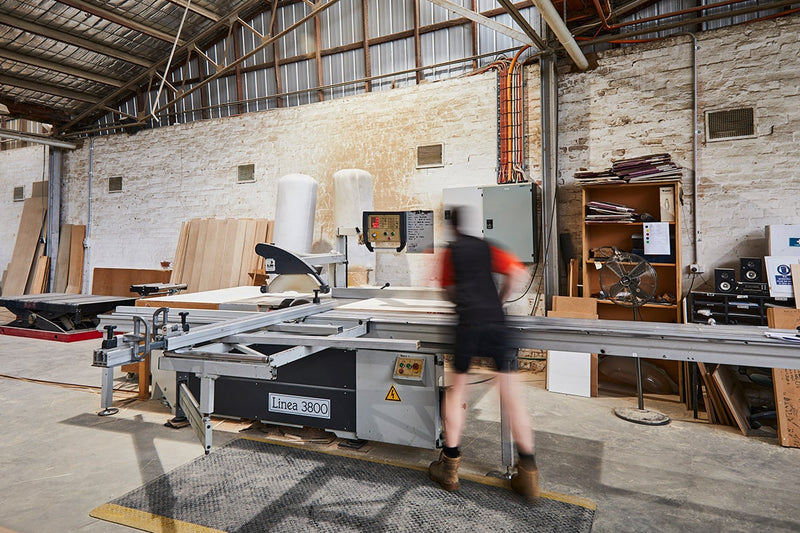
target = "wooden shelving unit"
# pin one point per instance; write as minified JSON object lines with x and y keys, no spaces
{"x":645,"y":198}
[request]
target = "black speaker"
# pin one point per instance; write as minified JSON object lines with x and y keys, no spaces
{"x":724,"y":280}
{"x":750,"y":270}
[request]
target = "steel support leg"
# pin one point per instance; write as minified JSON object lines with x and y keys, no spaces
{"x":107,"y":393}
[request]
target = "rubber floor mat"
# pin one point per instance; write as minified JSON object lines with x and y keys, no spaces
{"x":250,"y":485}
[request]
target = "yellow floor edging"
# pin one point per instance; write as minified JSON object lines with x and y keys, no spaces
{"x":146,"y":521}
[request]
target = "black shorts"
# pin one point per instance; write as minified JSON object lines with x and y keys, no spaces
{"x":483,"y":340}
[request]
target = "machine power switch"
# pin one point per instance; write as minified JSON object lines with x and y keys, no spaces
{"x":408,"y":368}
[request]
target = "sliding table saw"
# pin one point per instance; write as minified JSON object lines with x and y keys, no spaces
{"x":367,"y":363}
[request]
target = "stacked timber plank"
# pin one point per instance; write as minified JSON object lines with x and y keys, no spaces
{"x":69,"y":263}
{"x":219,"y":253}
{"x":25,"y":264}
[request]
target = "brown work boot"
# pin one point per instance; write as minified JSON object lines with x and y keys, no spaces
{"x":526,"y":481}
{"x":445,"y":472}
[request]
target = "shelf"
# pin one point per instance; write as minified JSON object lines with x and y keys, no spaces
{"x":592,"y":261}
{"x":650,"y":305}
{"x":613,"y":223}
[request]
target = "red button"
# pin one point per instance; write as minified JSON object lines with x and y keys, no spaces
{"x":400,"y":371}
{"x":416,"y":366}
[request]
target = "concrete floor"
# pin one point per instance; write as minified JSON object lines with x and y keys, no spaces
{"x":59,"y":460}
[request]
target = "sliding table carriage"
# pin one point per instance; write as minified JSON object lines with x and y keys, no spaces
{"x":370,"y":372}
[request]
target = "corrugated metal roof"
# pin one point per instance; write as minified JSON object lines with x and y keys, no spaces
{"x":69,"y":62}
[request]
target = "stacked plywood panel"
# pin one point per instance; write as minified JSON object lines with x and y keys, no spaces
{"x":69,"y":263}
{"x":24,"y":261}
{"x":219,"y":253}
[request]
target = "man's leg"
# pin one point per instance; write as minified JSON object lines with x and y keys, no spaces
{"x":445,"y":470}
{"x":526,"y":480}
{"x":455,"y":409}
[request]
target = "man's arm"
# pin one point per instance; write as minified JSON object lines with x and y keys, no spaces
{"x":514,"y":278}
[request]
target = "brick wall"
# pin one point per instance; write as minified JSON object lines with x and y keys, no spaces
{"x":639,"y":101}
{"x":176,"y":173}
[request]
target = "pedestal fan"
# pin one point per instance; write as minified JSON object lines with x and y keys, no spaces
{"x":629,"y":280}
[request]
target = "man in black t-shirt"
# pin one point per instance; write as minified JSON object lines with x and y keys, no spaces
{"x":481,"y":331}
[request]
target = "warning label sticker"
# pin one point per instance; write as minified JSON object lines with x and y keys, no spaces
{"x":392,"y":395}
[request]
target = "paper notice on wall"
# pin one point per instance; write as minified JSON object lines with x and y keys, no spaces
{"x":656,"y":238}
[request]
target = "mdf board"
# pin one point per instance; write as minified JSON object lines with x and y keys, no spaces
{"x":572,"y":372}
{"x":118,"y":281}
{"x":786,"y":383}
{"x":30,"y":228}
{"x":62,"y":261}
{"x":734,"y":397}
{"x":75,"y":277}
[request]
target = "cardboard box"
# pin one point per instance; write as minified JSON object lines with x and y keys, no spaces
{"x":783,"y":239}
{"x":779,"y":275}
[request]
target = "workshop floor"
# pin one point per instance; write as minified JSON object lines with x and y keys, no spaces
{"x":59,"y":460}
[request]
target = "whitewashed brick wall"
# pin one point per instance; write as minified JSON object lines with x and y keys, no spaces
{"x":18,"y":167}
{"x":639,"y":101}
{"x":177,"y":173}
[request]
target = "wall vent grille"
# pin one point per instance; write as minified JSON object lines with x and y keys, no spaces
{"x":247,"y":174}
{"x":730,"y":124}
{"x":19,"y":193}
{"x":430,"y":155}
{"x":115,"y":184}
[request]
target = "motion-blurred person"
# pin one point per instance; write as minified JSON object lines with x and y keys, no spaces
{"x":481,"y":331}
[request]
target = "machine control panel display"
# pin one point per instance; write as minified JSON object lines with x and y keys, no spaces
{"x":409,"y":368}
{"x":385,"y":229}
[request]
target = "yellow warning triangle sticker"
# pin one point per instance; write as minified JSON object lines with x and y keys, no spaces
{"x":392,"y":395}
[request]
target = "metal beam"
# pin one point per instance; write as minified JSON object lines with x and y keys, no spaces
{"x":130,"y":86}
{"x":80,"y":42}
{"x":45,"y":88}
{"x":266,"y":42}
{"x":548,"y":91}
{"x":59,"y":67}
{"x":34,"y":138}
{"x":512,"y":10}
{"x":485,"y":21}
{"x":120,"y":19}
{"x":689,"y":22}
{"x":194,"y":8}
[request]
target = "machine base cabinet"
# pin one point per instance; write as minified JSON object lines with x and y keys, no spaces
{"x":359,"y":394}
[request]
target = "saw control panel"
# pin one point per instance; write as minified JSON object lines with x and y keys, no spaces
{"x":385,"y":229}
{"x":409,"y":368}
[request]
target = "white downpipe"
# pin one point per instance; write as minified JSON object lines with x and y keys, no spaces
{"x":556,"y":24}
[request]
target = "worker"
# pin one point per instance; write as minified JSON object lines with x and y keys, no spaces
{"x":481,"y":331}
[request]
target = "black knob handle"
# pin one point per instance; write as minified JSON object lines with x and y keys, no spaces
{"x":184,"y":325}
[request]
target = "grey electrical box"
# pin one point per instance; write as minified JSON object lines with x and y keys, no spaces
{"x":502,"y":214}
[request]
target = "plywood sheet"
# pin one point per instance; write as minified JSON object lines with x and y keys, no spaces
{"x":30,"y":228}
{"x":402,"y":305}
{"x":117,"y":281}
{"x":733,"y":395}
{"x":40,"y":275}
{"x":62,"y":261}
{"x":202,"y":300}
{"x":180,"y":254}
{"x":75,"y":277}
{"x":786,"y":383}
